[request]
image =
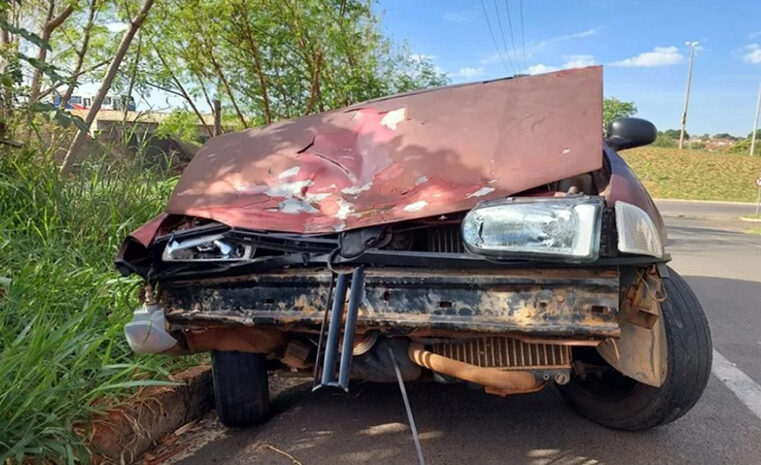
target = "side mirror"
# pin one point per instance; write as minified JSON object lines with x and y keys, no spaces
{"x":627,"y":133}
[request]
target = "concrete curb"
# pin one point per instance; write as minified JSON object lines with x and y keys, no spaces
{"x":716,"y":202}
{"x":750,"y":220}
{"x":123,"y":433}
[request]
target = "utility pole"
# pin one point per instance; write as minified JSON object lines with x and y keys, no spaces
{"x":755,"y":125}
{"x":687,"y":93}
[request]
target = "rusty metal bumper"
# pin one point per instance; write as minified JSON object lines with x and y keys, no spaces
{"x":546,"y":302}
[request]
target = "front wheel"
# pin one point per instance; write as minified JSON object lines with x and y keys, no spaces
{"x":616,"y":401}
{"x":241,"y":390}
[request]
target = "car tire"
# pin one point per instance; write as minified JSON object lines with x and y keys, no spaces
{"x":616,"y":401}
{"x":241,"y":390}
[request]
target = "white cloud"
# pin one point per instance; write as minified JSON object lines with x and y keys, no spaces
{"x":459,"y":16}
{"x":660,"y":56}
{"x":565,"y":37}
{"x":571,"y":61}
{"x":752,"y":54}
{"x":578,"y":61}
{"x":468,"y":72}
{"x":540,"y":69}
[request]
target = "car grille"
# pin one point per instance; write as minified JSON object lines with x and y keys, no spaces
{"x":445,"y":239}
{"x":506,"y":352}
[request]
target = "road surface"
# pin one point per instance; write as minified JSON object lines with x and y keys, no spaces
{"x":459,"y":425}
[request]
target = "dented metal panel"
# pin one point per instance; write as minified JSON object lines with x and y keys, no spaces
{"x":545,"y":302}
{"x":399,"y":158}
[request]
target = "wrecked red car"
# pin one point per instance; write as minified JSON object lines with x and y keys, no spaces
{"x":483,"y":233}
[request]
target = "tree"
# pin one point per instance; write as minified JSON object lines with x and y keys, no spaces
{"x":675,"y":134}
{"x":274,"y":60}
{"x":724,"y":135}
{"x":52,"y":22}
{"x":613,"y":108}
{"x":129,"y":34}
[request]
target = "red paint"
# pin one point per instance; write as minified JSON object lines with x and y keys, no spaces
{"x":355,"y":171}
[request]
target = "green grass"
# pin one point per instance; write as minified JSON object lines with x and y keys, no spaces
{"x":695,"y":174}
{"x":62,"y":305}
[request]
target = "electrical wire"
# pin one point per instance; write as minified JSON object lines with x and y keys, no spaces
{"x":504,"y":39}
{"x":494,"y":39}
{"x":510,"y":29}
{"x":523,"y":35}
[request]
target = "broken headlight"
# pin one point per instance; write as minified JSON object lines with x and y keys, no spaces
{"x":205,"y":248}
{"x":539,"y":228}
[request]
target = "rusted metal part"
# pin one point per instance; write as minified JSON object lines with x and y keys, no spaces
{"x":506,"y":353}
{"x":404,"y":157}
{"x":260,"y":340}
{"x":641,"y":352}
{"x":503,"y":381}
{"x":540,"y":302}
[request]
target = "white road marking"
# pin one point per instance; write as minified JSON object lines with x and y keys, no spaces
{"x":738,"y":382}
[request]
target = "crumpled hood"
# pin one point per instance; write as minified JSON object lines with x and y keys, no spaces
{"x":399,"y":158}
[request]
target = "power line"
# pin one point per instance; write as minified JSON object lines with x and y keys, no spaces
{"x":504,"y":40}
{"x":523,"y":35}
{"x":510,"y":28}
{"x":493,"y":38}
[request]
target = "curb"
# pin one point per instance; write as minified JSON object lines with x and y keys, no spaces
{"x":717,"y":202}
{"x":750,"y":220}
{"x":123,"y":433}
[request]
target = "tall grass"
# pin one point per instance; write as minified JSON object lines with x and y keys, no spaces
{"x":62,"y":305}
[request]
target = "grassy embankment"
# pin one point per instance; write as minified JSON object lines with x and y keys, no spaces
{"x":62,"y":305}
{"x":695,"y":174}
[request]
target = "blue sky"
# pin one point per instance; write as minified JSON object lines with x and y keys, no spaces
{"x":640,"y":43}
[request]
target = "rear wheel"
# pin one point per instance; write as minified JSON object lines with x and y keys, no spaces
{"x":616,"y":401}
{"x":241,"y":390}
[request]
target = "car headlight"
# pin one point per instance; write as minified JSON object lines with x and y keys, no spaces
{"x":565,"y":229}
{"x":637,"y":233}
{"x":205,"y":248}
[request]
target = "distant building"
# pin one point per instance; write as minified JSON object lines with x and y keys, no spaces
{"x":111,"y":102}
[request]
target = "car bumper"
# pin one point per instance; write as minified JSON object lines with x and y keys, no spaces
{"x":574,"y":302}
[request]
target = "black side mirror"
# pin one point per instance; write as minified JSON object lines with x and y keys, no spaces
{"x":627,"y":133}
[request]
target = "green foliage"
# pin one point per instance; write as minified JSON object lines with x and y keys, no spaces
{"x":724,"y":135}
{"x":743,"y":147}
{"x":613,"y":108}
{"x":180,"y":124}
{"x":62,"y":305}
{"x":675,"y":134}
{"x":662,"y":140}
{"x":274,"y":60}
{"x":695,"y":174}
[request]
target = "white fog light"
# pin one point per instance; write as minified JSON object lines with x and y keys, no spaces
{"x":637,"y":233}
{"x":540,"y":228}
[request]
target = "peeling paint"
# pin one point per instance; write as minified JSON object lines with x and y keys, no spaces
{"x":419,"y":150}
{"x":394,"y":117}
{"x":296,"y":206}
{"x":290,"y":172}
{"x":288,"y":189}
{"x":481,"y":192}
{"x":415,"y":206}
{"x":344,"y":209}
{"x":355,"y":190}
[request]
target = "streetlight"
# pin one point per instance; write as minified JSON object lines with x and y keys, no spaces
{"x":692,"y":46}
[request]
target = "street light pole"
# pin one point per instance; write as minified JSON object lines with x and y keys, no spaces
{"x":755,"y":124}
{"x":687,"y":93}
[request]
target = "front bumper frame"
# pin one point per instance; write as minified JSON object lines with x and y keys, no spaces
{"x":540,"y":302}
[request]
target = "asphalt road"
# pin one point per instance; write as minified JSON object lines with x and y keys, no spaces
{"x":459,"y":425}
